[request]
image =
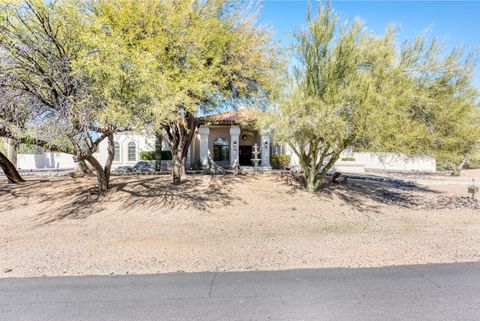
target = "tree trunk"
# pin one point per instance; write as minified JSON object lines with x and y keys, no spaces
{"x":314,"y":168}
{"x":178,"y":167}
{"x":111,"y":155}
{"x":179,"y":137}
{"x":457,"y":169}
{"x":311,"y":182}
{"x":103,"y":173}
{"x":10,"y":170}
{"x":83,"y":168}
{"x":11,"y":151}
{"x":103,"y":183}
{"x":310,"y":166}
{"x":333,"y":159}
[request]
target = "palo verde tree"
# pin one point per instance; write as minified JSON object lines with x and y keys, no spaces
{"x":40,"y":43}
{"x":450,"y":110}
{"x":351,"y":88}
{"x":188,"y":56}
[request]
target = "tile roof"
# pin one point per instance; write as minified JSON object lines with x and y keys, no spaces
{"x":233,"y":117}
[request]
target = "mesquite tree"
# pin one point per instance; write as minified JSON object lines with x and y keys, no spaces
{"x":40,"y":42}
{"x":188,"y":56}
{"x":353,"y":88}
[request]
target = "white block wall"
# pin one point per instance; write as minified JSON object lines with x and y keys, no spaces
{"x":376,"y":161}
{"x":51,"y":160}
{"x":48,"y":160}
{"x":395,"y":162}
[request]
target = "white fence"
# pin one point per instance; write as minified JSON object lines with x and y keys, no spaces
{"x":395,"y":162}
{"x":376,"y":162}
{"x":48,"y":160}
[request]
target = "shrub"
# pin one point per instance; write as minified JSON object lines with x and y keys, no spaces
{"x":147,"y":155}
{"x":155,"y":155}
{"x":473,"y":162}
{"x":348,"y":159}
{"x":280,"y":161}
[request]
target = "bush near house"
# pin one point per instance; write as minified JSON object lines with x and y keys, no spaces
{"x":348,"y":159}
{"x":279,"y":161}
{"x":152,"y":155}
{"x":147,"y":155}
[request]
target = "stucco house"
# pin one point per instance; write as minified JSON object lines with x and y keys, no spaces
{"x":227,"y":140}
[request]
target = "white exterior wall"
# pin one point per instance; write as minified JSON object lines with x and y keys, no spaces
{"x":51,"y":160}
{"x":368,"y":161}
{"x":142,"y":143}
{"x":294,"y":161}
{"x":374,"y":161}
{"x":47,"y":160}
{"x":395,"y":162}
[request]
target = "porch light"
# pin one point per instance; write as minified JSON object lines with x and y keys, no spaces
{"x":265,"y":144}
{"x":244,"y":137}
{"x":234,"y":145}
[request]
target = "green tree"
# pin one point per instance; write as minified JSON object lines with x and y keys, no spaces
{"x":450,"y":111}
{"x":350,"y":87}
{"x":40,"y":46}
{"x":188,"y":57}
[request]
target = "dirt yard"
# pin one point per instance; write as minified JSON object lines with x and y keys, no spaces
{"x":59,"y":226}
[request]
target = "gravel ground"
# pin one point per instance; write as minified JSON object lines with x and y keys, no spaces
{"x":59,"y":226}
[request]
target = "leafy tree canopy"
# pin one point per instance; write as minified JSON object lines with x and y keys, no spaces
{"x":351,"y":87}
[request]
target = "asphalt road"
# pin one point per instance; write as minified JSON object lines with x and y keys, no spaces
{"x":448,"y":292}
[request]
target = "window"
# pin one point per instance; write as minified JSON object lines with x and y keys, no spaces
{"x":116,"y":157}
{"x":221,"y":150}
{"x":278,"y":149}
{"x":132,"y":152}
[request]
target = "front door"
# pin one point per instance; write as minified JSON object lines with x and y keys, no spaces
{"x":245,"y":157}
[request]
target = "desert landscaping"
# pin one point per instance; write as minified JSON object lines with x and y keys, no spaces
{"x":61,"y":226}
{"x":239,"y":160}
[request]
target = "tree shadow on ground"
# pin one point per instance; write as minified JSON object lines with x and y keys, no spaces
{"x":13,"y":196}
{"x":364,"y":194}
{"x":54,"y":199}
{"x":67,"y":198}
{"x":82,"y":204}
{"x":196,"y":192}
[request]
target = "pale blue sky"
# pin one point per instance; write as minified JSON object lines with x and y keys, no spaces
{"x":455,"y":22}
